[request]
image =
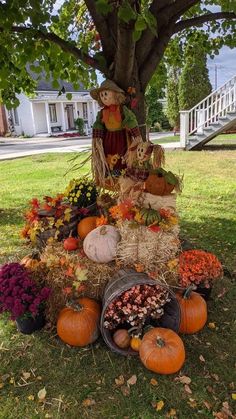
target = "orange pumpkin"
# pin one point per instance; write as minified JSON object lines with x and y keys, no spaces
{"x":32,"y":261}
{"x":162,"y":351}
{"x":193,"y":311}
{"x":79,"y":327}
{"x":121,"y":338}
{"x":135,"y":343}
{"x":71,"y":243}
{"x":86,"y":225}
{"x":157,"y":185}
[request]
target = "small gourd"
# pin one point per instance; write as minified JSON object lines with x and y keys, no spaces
{"x":86,"y":225}
{"x":71,"y":243}
{"x":100,"y":245}
{"x":122,"y":338}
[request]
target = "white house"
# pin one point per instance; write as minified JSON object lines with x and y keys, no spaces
{"x":47,"y":112}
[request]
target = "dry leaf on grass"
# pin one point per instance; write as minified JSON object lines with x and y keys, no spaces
{"x":132,"y":380}
{"x":26,"y":375}
{"x":207,"y":404}
{"x":125,"y":390}
{"x":42,"y":394}
{"x":88,"y":402}
{"x":183,"y":379}
{"x":211,"y":325}
{"x":120,"y":380}
{"x":202,"y":359}
{"x":30,"y":397}
{"x":159,"y":405}
{"x":192,"y":403}
{"x":171,"y":414}
{"x":187,"y":389}
{"x":153,"y":382}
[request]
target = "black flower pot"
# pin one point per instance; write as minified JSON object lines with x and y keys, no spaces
{"x":204,"y":292}
{"x":31,"y":324}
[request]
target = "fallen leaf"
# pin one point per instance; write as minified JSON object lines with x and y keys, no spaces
{"x":26,"y":375}
{"x":210,"y":389}
{"x":120,"y":380}
{"x":192,"y":403}
{"x":202,"y":359}
{"x":215,"y":376}
{"x":125,"y":390}
{"x":233,"y":395}
{"x":159,"y":405}
{"x":88,"y":402}
{"x":220,"y":415}
{"x":132,"y":380}
{"x":187,"y":389}
{"x":207,"y":404}
{"x":211,"y":325}
{"x":171,"y":413}
{"x":31,"y":397}
{"x":1,"y":385}
{"x":226,"y":409}
{"x":47,"y":416}
{"x":221,"y":293}
{"x":184,"y":379}
{"x":39,"y":378}
{"x":153,"y":382}
{"x":42,"y":394}
{"x":12,"y":381}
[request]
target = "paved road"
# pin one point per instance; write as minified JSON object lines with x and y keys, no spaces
{"x":11,"y":148}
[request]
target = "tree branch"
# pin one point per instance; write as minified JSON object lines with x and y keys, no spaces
{"x":106,"y":37}
{"x":199,"y":20}
{"x":64,"y":45}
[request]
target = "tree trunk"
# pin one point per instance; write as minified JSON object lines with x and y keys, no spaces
{"x":140,"y":112}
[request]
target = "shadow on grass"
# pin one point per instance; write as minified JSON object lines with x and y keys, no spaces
{"x":11,"y":216}
{"x":219,"y":147}
{"x":216,"y":235}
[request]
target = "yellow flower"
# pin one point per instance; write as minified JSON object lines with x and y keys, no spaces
{"x":138,"y":218}
{"x":90,"y":188}
{"x":173,"y":220}
{"x":75,"y":199}
{"x":88,"y":194}
{"x":78,"y":194}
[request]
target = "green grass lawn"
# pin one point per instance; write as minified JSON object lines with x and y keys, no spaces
{"x":73,"y":376}
{"x":220,"y":140}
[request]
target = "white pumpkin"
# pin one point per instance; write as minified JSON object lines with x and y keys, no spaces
{"x":101,"y":243}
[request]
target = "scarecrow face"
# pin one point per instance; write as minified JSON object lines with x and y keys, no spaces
{"x":142,"y":152}
{"x":107,"y":97}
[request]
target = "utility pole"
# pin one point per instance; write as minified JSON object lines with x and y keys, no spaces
{"x":215,"y":76}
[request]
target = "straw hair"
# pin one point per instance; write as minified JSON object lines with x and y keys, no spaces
{"x":107,"y":85}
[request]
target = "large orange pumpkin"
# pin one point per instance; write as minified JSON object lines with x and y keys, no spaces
{"x":157,"y":185}
{"x":162,"y":351}
{"x":193,"y":311}
{"x":79,"y":327}
{"x":86,"y":225}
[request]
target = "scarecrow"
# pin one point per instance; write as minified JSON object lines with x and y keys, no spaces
{"x":115,"y":134}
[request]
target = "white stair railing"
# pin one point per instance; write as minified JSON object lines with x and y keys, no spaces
{"x":209,"y":110}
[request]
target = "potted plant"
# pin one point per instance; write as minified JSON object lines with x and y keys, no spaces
{"x":82,"y":193}
{"x":199,"y":268}
{"x":22,"y":298}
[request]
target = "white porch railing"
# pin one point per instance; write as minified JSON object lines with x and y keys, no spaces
{"x":208,"y":111}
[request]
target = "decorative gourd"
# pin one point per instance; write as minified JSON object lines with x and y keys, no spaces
{"x":31,"y":261}
{"x":71,"y":243}
{"x":122,"y":338}
{"x":80,"y":326}
{"x":193,"y":311}
{"x":150,"y":215}
{"x":86,"y":225}
{"x":135,"y":343}
{"x":162,"y":351}
{"x":100,"y":244}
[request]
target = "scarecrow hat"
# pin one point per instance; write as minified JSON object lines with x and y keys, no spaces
{"x":106,"y":85}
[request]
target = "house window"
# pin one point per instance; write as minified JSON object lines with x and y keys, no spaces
{"x":53,"y":112}
{"x":15,"y":117}
{"x":85,"y":111}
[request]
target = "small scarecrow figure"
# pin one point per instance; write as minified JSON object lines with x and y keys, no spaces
{"x":115,"y":132}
